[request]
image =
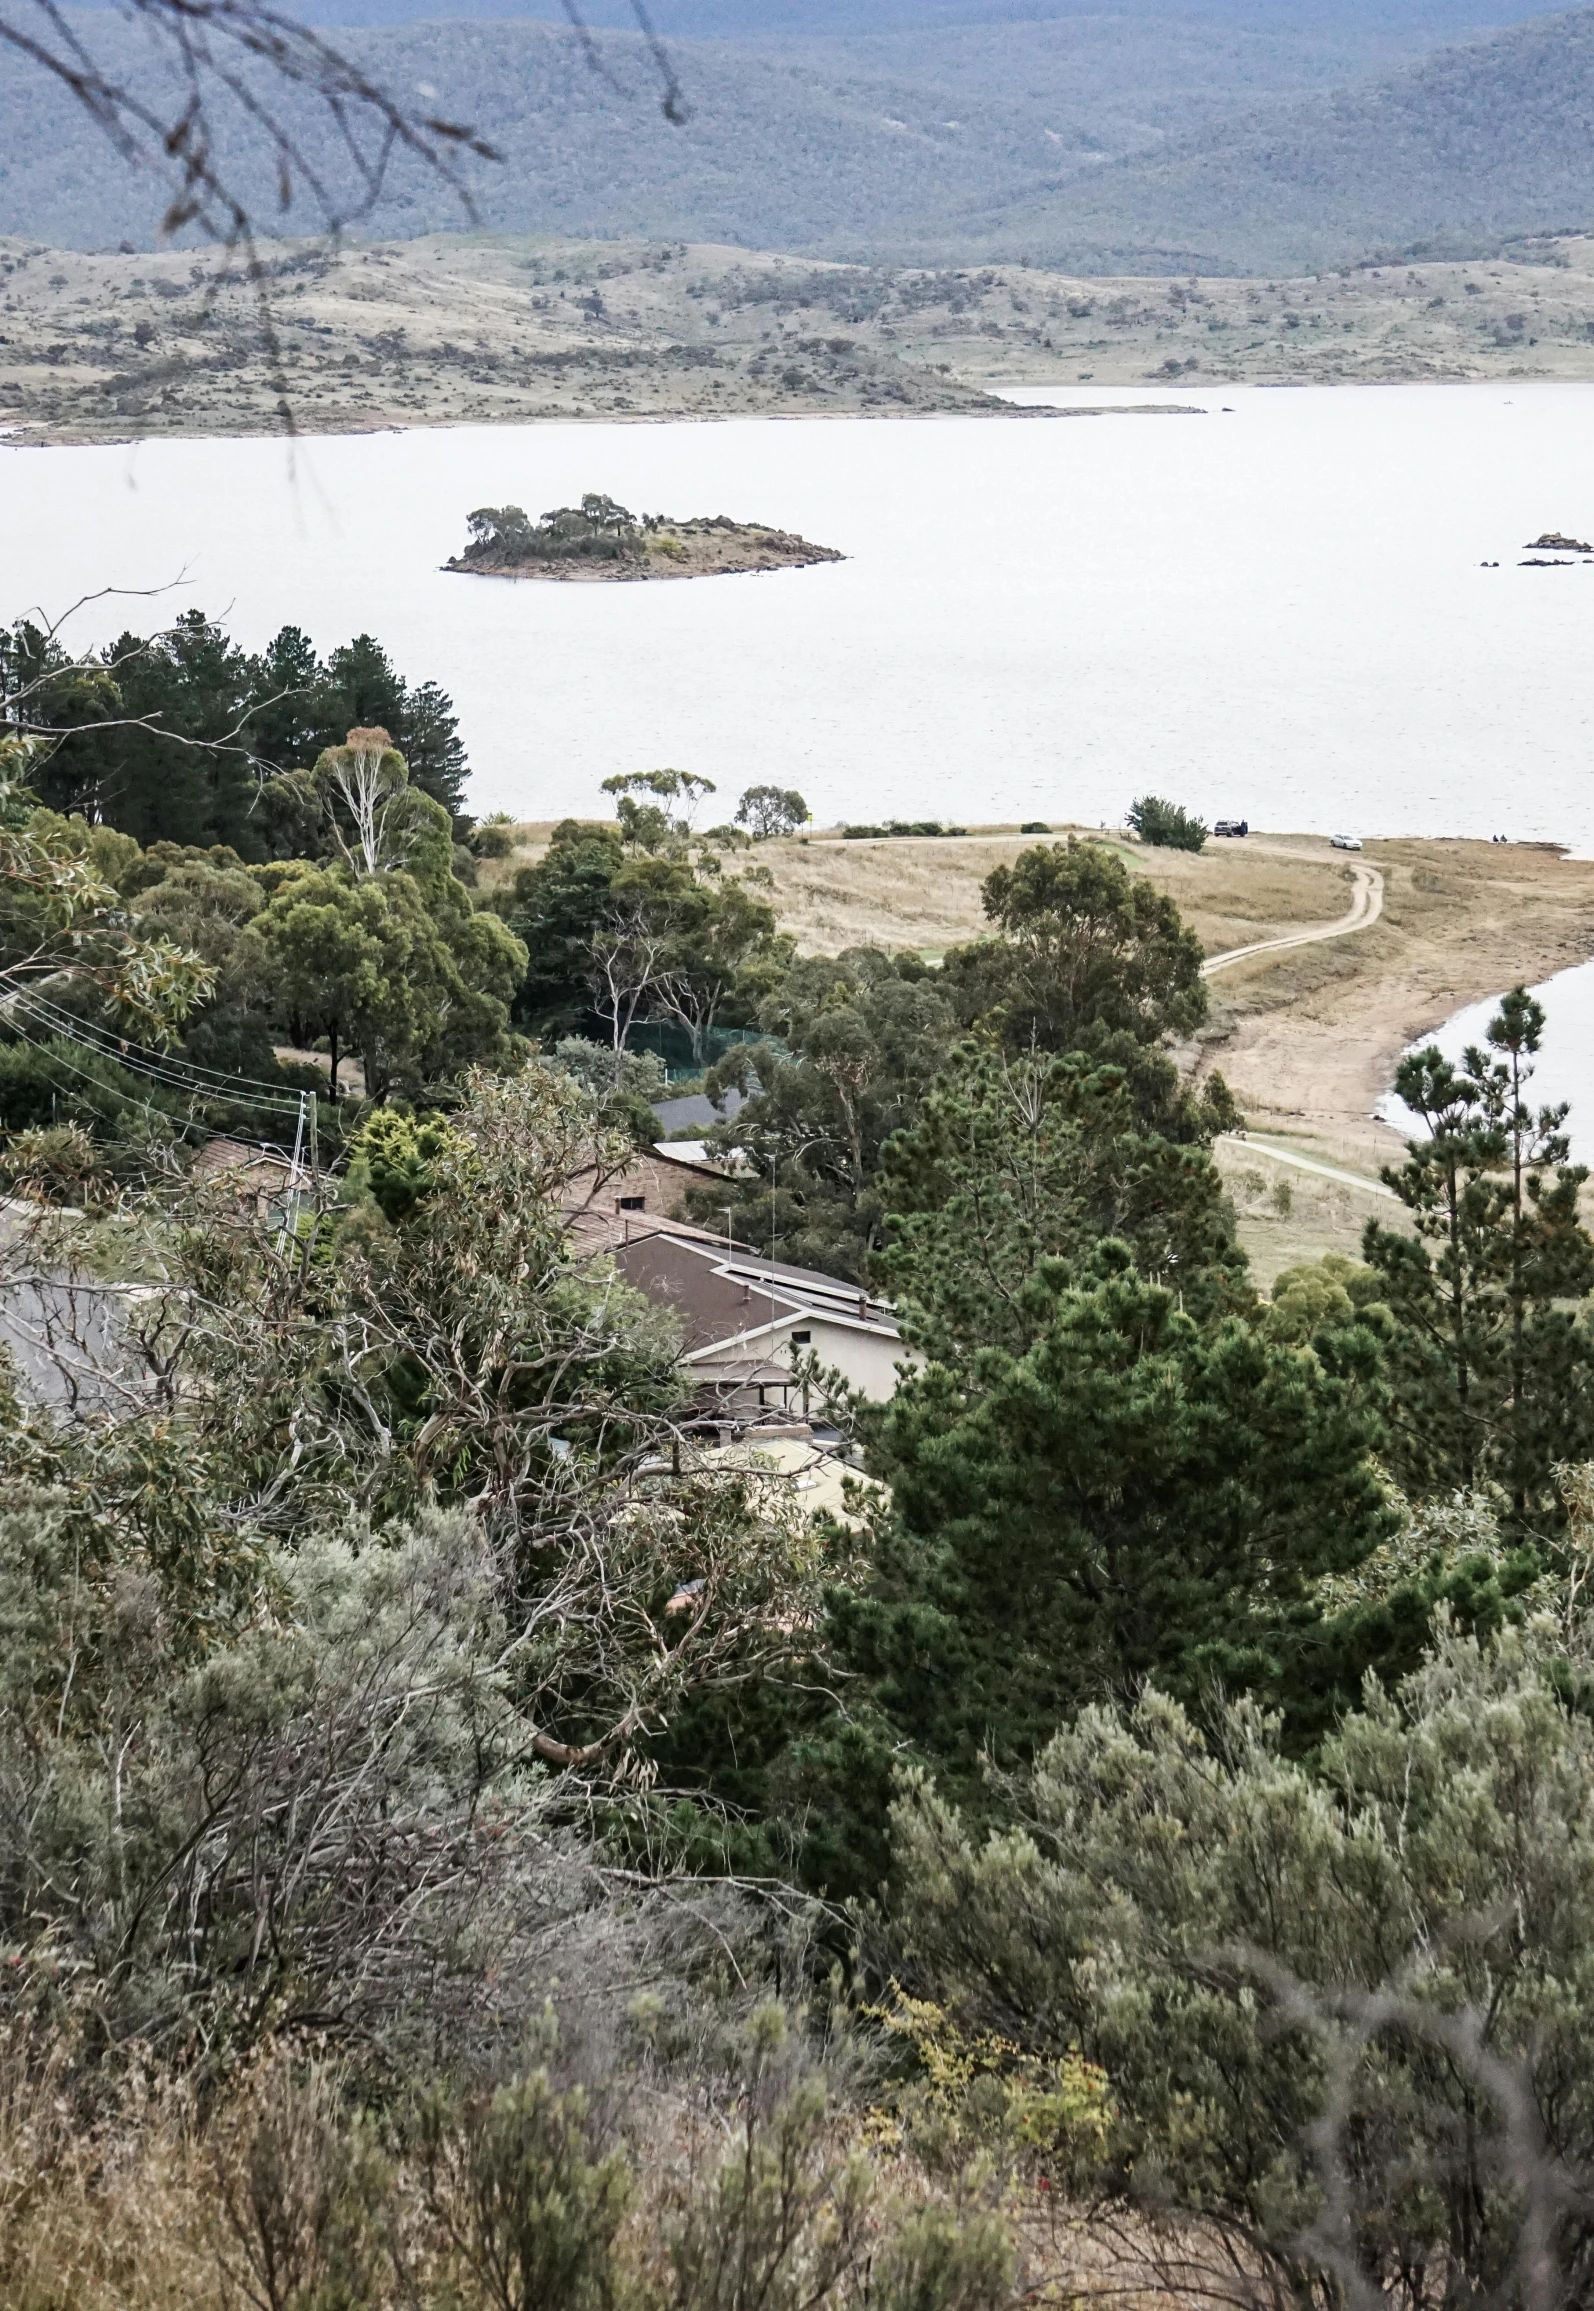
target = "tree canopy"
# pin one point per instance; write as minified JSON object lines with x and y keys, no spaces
{"x":1165,"y":824}
{"x":1089,"y":957}
{"x":178,"y":736}
{"x":1493,"y":1355}
{"x":772,"y":810}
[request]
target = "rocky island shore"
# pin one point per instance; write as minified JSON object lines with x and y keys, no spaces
{"x":601,"y":540}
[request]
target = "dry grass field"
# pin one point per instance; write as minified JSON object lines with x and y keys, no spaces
{"x":926,"y":893}
{"x":1287,"y":1216}
{"x":1309,"y":1038}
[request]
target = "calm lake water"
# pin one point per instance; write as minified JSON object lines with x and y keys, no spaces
{"x":1564,"y":1069}
{"x":1274,"y":610}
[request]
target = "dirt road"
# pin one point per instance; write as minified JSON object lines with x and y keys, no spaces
{"x":1307,"y":1029}
{"x":1366,"y":906}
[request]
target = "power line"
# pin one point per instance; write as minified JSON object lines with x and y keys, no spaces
{"x":58,"y":1059}
{"x":166,"y":1079}
{"x":172,"y":1075}
{"x":301,"y":1105}
{"x":166,"y":1066}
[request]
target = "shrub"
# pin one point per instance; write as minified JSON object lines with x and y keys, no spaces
{"x":398,"y":1156}
{"x":1165,"y":824}
{"x":1344,"y":2004}
{"x":527,"y":2207}
{"x":56,"y":1161}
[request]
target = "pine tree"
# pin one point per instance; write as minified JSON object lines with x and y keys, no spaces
{"x":284,"y":724}
{"x":1015,"y":1161}
{"x":1133,"y":1496}
{"x":173,"y":763}
{"x":359,"y":686}
{"x":1492,"y":1354}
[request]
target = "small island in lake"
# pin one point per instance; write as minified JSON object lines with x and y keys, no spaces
{"x":600,"y":539}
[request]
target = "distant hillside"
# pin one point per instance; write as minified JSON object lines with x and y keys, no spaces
{"x":1411,"y":24}
{"x":1060,"y":156}
{"x":772,"y":155}
{"x":1470,"y":147}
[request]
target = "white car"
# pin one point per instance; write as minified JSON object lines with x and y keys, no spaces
{"x":1346,"y":842}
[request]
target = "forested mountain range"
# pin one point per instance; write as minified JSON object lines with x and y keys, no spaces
{"x":1187,"y":142}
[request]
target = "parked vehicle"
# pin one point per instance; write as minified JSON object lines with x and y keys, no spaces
{"x":1231,"y":826}
{"x":1346,"y":842}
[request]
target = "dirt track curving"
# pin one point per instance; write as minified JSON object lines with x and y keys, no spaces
{"x":1366,"y":906}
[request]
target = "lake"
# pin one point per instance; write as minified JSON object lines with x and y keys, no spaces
{"x":1564,"y":1069}
{"x":1273,"y":609}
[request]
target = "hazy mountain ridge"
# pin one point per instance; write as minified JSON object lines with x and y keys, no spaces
{"x":1470,"y":147}
{"x":1099,"y":154}
{"x":773,"y":154}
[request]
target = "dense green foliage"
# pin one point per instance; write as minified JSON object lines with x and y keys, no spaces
{"x":170,"y":737}
{"x":1493,"y":1361}
{"x":1012,"y":1163}
{"x":1086,"y":960}
{"x":422,"y":1747}
{"x":376,"y":950}
{"x":850,"y":1047}
{"x":1327,"y":1995}
{"x":1091,"y":958}
{"x":631,"y":925}
{"x":1133,"y":1494}
{"x":1166,"y":824}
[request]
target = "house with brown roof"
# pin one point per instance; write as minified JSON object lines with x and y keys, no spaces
{"x":605,"y":1208}
{"x":749,"y":1323}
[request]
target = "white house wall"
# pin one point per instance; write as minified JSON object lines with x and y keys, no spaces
{"x":868,"y":1361}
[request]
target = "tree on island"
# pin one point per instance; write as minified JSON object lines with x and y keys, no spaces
{"x":501,"y":536}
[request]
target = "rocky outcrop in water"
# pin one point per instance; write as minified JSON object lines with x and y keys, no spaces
{"x":602,"y":540}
